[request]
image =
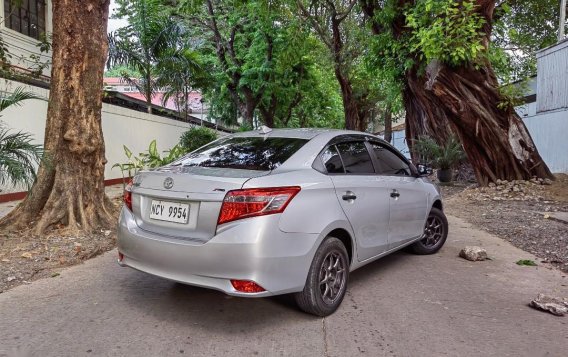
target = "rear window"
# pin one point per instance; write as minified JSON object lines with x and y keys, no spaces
{"x":247,"y":153}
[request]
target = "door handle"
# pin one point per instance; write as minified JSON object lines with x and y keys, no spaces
{"x":395,"y":194}
{"x":348,"y":196}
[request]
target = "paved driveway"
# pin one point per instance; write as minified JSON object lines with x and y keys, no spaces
{"x":402,"y":305}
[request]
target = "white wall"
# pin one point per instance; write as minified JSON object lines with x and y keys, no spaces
{"x":121,"y":126}
{"x":526,"y":110}
{"x":552,"y":87}
{"x":548,"y":131}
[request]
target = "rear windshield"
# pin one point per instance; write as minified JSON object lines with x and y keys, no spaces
{"x":247,"y":153}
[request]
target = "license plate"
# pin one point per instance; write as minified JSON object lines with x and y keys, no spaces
{"x":169,"y":211}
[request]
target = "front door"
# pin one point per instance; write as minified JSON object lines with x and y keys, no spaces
{"x":363,"y":196}
{"x":409,"y":200}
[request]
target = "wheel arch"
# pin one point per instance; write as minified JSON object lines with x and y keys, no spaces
{"x":346,"y":238}
{"x":438,"y":204}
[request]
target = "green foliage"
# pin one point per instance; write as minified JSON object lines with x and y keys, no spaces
{"x":152,"y":158}
{"x":262,"y":57}
{"x":441,"y":157}
{"x":445,"y":30}
{"x":526,"y":262}
{"x":122,"y":71}
{"x":18,"y":156}
{"x":155,"y":50}
{"x":149,"y":159}
{"x":521,"y":28}
{"x":196,"y":137}
{"x":512,"y":95}
{"x":16,"y":98}
{"x":244,"y":127}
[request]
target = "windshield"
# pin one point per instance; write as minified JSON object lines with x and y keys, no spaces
{"x":248,"y":153}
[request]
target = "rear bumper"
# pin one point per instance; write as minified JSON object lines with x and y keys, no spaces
{"x":250,"y":249}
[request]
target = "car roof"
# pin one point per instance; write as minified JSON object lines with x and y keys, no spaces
{"x":300,"y":133}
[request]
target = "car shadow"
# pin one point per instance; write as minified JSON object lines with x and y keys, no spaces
{"x":216,"y":311}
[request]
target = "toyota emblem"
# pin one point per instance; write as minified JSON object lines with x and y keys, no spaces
{"x":168,"y":183}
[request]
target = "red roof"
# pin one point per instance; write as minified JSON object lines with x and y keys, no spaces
{"x":194,"y":96}
{"x":114,"y":81}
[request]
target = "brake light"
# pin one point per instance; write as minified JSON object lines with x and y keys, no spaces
{"x":127,"y":195}
{"x":254,"y":202}
{"x":247,"y":286}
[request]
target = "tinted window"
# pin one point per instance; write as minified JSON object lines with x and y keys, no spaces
{"x":254,"y":153}
{"x":356,"y":158}
{"x":332,"y":161}
{"x":389,"y":162}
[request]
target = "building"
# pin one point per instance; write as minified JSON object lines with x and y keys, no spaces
{"x":547,"y":116}
{"x":197,"y":105}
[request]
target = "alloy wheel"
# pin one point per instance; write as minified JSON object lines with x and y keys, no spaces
{"x":433,"y":231}
{"x":332,"y":277}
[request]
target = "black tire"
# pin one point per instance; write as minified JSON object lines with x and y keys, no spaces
{"x":435,"y":234}
{"x":329,"y":267}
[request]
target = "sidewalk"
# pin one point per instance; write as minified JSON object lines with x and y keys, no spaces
{"x":6,"y":207}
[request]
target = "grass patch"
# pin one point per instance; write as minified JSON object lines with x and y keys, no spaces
{"x":526,"y":262}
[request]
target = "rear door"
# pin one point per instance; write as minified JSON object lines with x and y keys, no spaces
{"x":408,"y":198}
{"x":363,"y":196}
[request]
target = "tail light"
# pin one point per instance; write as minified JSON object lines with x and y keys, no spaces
{"x":127,"y":195}
{"x":240,"y":204}
{"x":247,"y":286}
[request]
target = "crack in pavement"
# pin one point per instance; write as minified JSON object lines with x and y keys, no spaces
{"x":325,"y":346}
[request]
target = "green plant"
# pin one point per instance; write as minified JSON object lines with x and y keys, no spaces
{"x":149,"y":159}
{"x":196,"y":137}
{"x":526,"y":262}
{"x":441,"y":157}
{"x":18,"y":156}
{"x":132,"y":166}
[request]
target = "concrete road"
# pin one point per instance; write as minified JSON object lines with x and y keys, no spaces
{"x":402,"y":305}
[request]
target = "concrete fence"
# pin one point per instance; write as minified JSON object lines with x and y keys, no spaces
{"x":121,"y":126}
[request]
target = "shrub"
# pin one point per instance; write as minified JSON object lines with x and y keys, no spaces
{"x":441,"y":157}
{"x":196,"y":137}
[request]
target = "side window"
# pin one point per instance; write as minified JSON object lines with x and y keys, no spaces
{"x":389,"y":162}
{"x":332,"y":161}
{"x":356,"y":158}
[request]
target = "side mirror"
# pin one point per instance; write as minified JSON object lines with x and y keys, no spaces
{"x":424,"y":170}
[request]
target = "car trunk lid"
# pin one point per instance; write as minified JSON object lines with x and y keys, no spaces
{"x":193,"y":194}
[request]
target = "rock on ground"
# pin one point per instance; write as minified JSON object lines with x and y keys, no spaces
{"x":473,"y":253}
{"x":555,"y":306}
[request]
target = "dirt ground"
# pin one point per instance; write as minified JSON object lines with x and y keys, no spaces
{"x":519,"y":217}
{"x":24,"y":258}
{"x":519,"y":213}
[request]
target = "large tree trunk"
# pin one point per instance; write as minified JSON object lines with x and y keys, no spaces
{"x":465,"y":99}
{"x":495,"y":140}
{"x":350,"y":104}
{"x":422,"y":118}
{"x":69,"y":191}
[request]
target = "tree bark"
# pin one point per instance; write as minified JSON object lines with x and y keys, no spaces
{"x":422,"y":119}
{"x":388,"y":124}
{"x":268,"y":112}
{"x":466,"y":100}
{"x":69,"y":190}
{"x":496,"y":141}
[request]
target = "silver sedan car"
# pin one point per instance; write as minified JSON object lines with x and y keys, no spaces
{"x":279,"y":211}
